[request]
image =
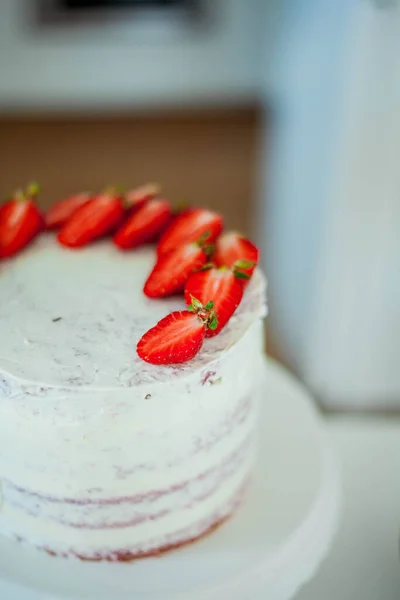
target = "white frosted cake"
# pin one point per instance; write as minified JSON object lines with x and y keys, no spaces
{"x":102,"y":455}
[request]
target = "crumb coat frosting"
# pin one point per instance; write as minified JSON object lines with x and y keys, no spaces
{"x":102,"y":452}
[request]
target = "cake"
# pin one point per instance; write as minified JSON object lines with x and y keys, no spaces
{"x":104,"y":456}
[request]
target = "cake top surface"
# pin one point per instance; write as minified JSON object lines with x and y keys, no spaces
{"x":72,"y":318}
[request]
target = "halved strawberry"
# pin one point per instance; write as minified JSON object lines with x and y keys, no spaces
{"x":189,"y":226}
{"x":144,"y":225}
{"x":173,"y":269}
{"x":137,"y":197}
{"x":177,"y":338}
{"x":62,"y":210}
{"x":92,"y":220}
{"x":20,"y":221}
{"x":219,"y":286}
{"x":238,"y":253}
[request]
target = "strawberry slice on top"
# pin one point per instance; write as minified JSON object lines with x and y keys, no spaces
{"x":178,"y":337}
{"x":220,"y":286}
{"x":97,"y":217}
{"x":62,"y":210}
{"x":144,"y":225}
{"x":236,"y":252}
{"x":20,"y":221}
{"x":173,"y":269}
{"x":137,"y":197}
{"x":189,"y":226}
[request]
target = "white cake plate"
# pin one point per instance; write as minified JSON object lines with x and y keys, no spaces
{"x":268,"y":550}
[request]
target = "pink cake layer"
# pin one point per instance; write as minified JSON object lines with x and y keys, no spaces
{"x":138,"y":507}
{"x":178,"y":539}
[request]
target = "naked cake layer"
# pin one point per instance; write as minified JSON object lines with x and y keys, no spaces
{"x":104,"y":455}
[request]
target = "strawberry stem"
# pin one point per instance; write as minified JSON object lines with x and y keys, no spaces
{"x":114,"y":190}
{"x":32,"y":190}
{"x":180,"y":207}
{"x":206,"y":313}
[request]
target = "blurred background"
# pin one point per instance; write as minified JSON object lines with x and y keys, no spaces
{"x":282,"y":114}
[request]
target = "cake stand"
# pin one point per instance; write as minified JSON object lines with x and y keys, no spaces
{"x":268,"y":550}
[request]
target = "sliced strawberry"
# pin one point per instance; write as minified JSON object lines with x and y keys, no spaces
{"x":92,"y":220}
{"x":62,"y":210}
{"x":221,"y":287}
{"x":137,"y":197}
{"x":20,"y":222}
{"x":173,"y":269}
{"x":178,"y":337}
{"x":189,"y":226}
{"x":238,"y":253}
{"x":144,"y":225}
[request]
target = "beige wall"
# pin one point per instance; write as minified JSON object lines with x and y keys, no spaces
{"x":205,"y":158}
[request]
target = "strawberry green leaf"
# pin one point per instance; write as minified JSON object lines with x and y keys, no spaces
{"x":204,"y":237}
{"x":196,"y":303}
{"x":209,"y":305}
{"x":241,"y":275}
{"x":207,"y":266}
{"x":32,"y":189}
{"x":244,"y":264}
{"x":213,"y":324}
{"x":116,"y":190}
{"x":208,"y":249}
{"x":180,"y":207}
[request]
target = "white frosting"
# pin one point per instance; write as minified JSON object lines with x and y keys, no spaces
{"x":102,"y":452}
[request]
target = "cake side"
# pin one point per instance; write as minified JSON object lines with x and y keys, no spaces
{"x":105,"y":456}
{"x":132,"y":475}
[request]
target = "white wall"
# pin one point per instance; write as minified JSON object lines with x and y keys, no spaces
{"x":331,"y":225}
{"x":354,"y":349}
{"x":302,"y":81}
{"x":131,"y":62}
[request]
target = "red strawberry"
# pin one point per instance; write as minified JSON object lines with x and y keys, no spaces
{"x":177,"y":338}
{"x":189,"y":226}
{"x":144,"y":225}
{"x":20,"y":222}
{"x":173,"y":269}
{"x":238,"y":253}
{"x":137,"y":197}
{"x":60,"y":212}
{"x":95,"y":218}
{"x":218,"y":286}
